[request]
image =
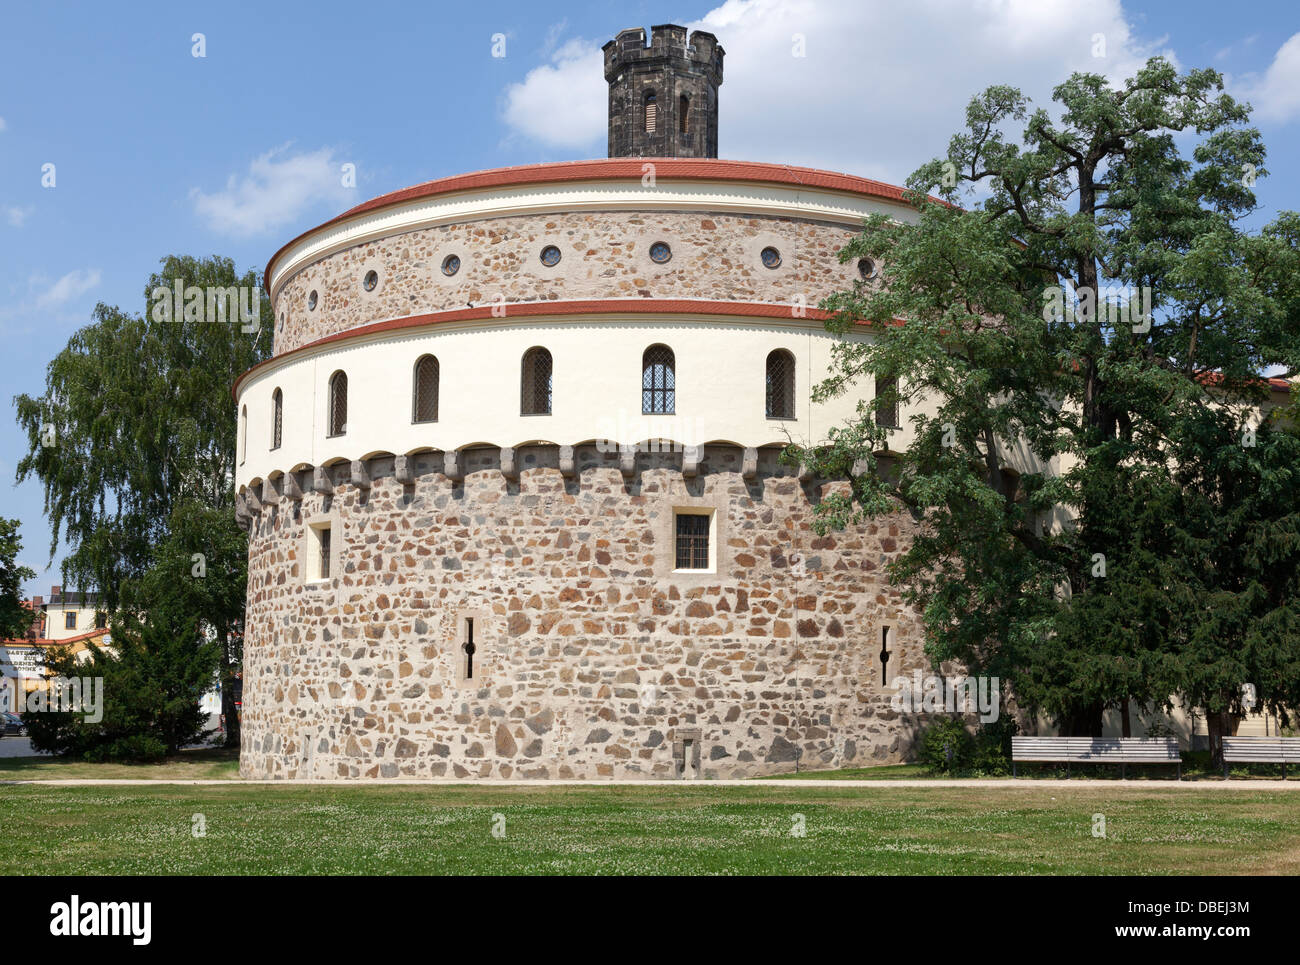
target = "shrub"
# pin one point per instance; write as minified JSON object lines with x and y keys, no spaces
{"x":946,"y":746}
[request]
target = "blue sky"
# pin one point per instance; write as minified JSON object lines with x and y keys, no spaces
{"x":157,"y":151}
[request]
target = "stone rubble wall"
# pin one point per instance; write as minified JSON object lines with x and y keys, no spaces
{"x":604,"y":255}
{"x":594,"y":660}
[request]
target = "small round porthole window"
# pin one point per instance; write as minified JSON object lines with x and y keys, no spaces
{"x":311,"y":301}
{"x":771,"y":257}
{"x":660,"y":253}
{"x":866,"y":268}
{"x":370,"y":281}
{"x":451,"y":265}
{"x":550,"y":256}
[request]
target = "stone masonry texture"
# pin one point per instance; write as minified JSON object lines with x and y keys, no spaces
{"x":594,"y":660}
{"x":604,"y":255}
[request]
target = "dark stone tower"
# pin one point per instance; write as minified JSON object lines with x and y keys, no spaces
{"x":663,"y":99}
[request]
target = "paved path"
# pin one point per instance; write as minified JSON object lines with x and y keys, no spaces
{"x":1209,"y":784}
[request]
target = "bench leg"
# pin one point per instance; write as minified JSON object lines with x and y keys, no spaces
{"x":1225,"y":768}
{"x":1067,"y":770}
{"x":1284,"y":770}
{"x":1013,"y":768}
{"x":1180,"y":770}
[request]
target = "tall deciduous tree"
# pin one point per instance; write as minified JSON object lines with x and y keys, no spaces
{"x":15,"y":618}
{"x":1044,"y":579}
{"x":134,"y":443}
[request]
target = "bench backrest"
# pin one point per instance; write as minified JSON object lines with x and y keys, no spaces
{"x":1262,"y":750}
{"x":1101,"y":750}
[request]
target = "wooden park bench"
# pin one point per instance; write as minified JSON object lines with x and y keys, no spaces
{"x":1096,"y":750}
{"x":1260,"y":750}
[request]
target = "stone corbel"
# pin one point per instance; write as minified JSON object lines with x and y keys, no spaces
{"x":691,"y":456}
{"x":749,"y":463}
{"x":509,"y":468}
{"x":627,"y":461}
{"x":805,"y":472}
{"x":269,"y":495}
{"x":253,"y":502}
{"x":404,"y":470}
{"x":567,"y":462}
{"x":320,"y":481}
{"x":292,"y":490}
{"x":452,"y":467}
{"x":360,"y":474}
{"x":860,"y":468}
{"x":242,"y":518}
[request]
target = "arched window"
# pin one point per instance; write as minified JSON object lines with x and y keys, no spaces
{"x":338,"y":411}
{"x":780,"y":384}
{"x":651,"y":111}
{"x":243,"y":434}
{"x":683,"y":112}
{"x":424,"y":390}
{"x":887,"y":410}
{"x":658,"y":381}
{"x":277,"y":417}
{"x":535,"y":383}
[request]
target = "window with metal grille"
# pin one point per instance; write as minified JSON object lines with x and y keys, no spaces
{"x":535,"y":383}
{"x":651,"y":112}
{"x":658,"y":381}
{"x":780,"y":385}
{"x":325,"y":545}
{"x":277,"y":417}
{"x":887,"y":411}
{"x":692,"y":541}
{"x":338,"y":412}
{"x":683,"y":112}
{"x":424,"y":391}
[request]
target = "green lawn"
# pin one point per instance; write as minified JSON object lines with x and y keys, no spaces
{"x":200,"y":764}
{"x":375,"y":829}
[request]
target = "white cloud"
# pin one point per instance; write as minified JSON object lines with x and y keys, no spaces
{"x":278,"y":189}
{"x":15,"y":215}
{"x":882,"y":86}
{"x":70,"y":286}
{"x":1276,"y":95}
{"x":563,"y":103}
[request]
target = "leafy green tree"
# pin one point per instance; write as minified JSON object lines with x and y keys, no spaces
{"x":134,"y":443}
{"x":1042,"y":579}
{"x":15,"y":619}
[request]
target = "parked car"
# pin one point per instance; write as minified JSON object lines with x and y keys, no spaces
{"x":13,"y":724}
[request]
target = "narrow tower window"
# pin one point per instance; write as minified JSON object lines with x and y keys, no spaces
{"x":338,"y":411}
{"x":277,"y":417}
{"x":683,"y":112}
{"x":780,"y":385}
{"x":887,"y":393}
{"x":886,"y":654}
{"x":424,"y":391}
{"x":658,"y":381}
{"x":651,"y":112}
{"x":325,"y":546}
{"x":535,"y":383}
